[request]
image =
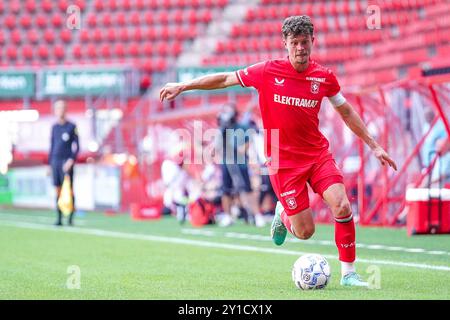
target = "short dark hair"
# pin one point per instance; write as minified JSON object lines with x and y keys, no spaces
{"x":297,"y":25}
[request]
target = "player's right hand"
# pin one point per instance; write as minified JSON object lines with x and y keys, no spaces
{"x":170,"y":91}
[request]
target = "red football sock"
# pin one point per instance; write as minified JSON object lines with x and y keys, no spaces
{"x":344,"y":235}
{"x":286,"y":222}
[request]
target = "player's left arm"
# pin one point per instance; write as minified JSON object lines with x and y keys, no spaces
{"x":355,"y":123}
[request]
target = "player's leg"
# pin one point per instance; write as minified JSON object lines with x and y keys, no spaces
{"x":58,"y":177}
{"x":241,"y":180}
{"x":227,"y":186}
{"x":327,"y":180}
{"x":345,"y":235}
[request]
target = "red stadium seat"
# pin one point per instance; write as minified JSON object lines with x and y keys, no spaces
{"x":84,"y":35}
{"x":59,"y":52}
{"x":81,"y":4}
{"x":162,"y":17}
{"x":14,"y":6}
{"x":124,"y":35}
{"x":63,"y":5}
{"x":148,"y":17}
{"x":125,"y":5}
{"x":49,"y":35}
{"x":99,"y":5}
{"x":57,"y":20}
{"x":16,"y":36}
{"x":10,"y":21}
{"x":91,"y":20}
{"x":133,"y":49}
{"x":65,"y":35}
{"x":2,"y":38}
{"x":177,"y":16}
{"x":148,"y":48}
{"x":46,"y":5}
{"x":26,"y":21}
{"x":111,"y":5}
{"x":76,"y":51}
{"x":120,"y":19}
{"x":11,"y":52}
{"x":176,"y":48}
{"x":33,"y":36}
{"x":105,"y":50}
{"x":27,"y":52}
{"x":111,"y":34}
{"x":107,"y":20}
{"x":141,"y":5}
{"x":43,"y":52}
{"x":137,"y":34}
{"x":97,"y":35}
{"x":41,"y":21}
{"x":162,"y":48}
{"x":91,"y":50}
{"x":135,"y":18}
{"x":119,"y":50}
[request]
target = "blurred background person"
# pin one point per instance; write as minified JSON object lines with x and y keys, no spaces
{"x":64,"y":148}
{"x":234,"y":138}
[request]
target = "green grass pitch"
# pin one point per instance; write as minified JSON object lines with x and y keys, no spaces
{"x":113,"y":257}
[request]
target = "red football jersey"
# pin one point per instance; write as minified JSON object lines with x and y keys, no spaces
{"x":290,"y":102}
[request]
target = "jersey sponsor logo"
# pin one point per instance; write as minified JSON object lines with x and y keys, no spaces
{"x":284,"y":194}
{"x":315,"y":86}
{"x":315,"y":79}
{"x":279,"y":82}
{"x":291,"y":203}
{"x":296,"y":102}
{"x":246,"y":71}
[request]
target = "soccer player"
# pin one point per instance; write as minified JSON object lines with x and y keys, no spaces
{"x":290,"y":94}
{"x":64,"y":147}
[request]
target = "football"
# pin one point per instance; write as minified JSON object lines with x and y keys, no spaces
{"x":311,"y":271}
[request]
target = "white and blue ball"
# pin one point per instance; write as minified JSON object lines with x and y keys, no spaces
{"x":311,"y":271}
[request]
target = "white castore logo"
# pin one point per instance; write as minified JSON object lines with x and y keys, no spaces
{"x":279,"y":82}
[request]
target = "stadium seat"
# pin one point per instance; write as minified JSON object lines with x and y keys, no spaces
{"x":33,"y":36}
{"x":57,"y":20}
{"x":16,"y":36}
{"x":59,"y":52}
{"x":105,"y":50}
{"x":135,"y":18}
{"x":65,"y":35}
{"x":91,"y":50}
{"x":49,"y":35}
{"x":119,"y":50}
{"x":27,"y":52}
{"x":107,"y":20}
{"x":47,"y":5}
{"x":10,"y":21}
{"x":133,"y":49}
{"x":76,"y":51}
{"x":11,"y":52}
{"x":41,"y":20}
{"x":26,"y":21}
{"x":43,"y":52}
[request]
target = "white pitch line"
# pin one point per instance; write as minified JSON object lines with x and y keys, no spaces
{"x":123,"y":235}
{"x":236,"y":235}
{"x":30,"y":218}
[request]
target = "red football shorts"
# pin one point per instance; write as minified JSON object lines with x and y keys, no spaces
{"x":290,"y":184}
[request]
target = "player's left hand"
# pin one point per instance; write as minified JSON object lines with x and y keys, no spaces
{"x":384,"y":158}
{"x":68,"y":165}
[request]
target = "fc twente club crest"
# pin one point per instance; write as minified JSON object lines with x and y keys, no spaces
{"x":292,"y":204}
{"x":315,"y":86}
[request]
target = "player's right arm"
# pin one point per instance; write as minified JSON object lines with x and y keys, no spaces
{"x":208,"y":82}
